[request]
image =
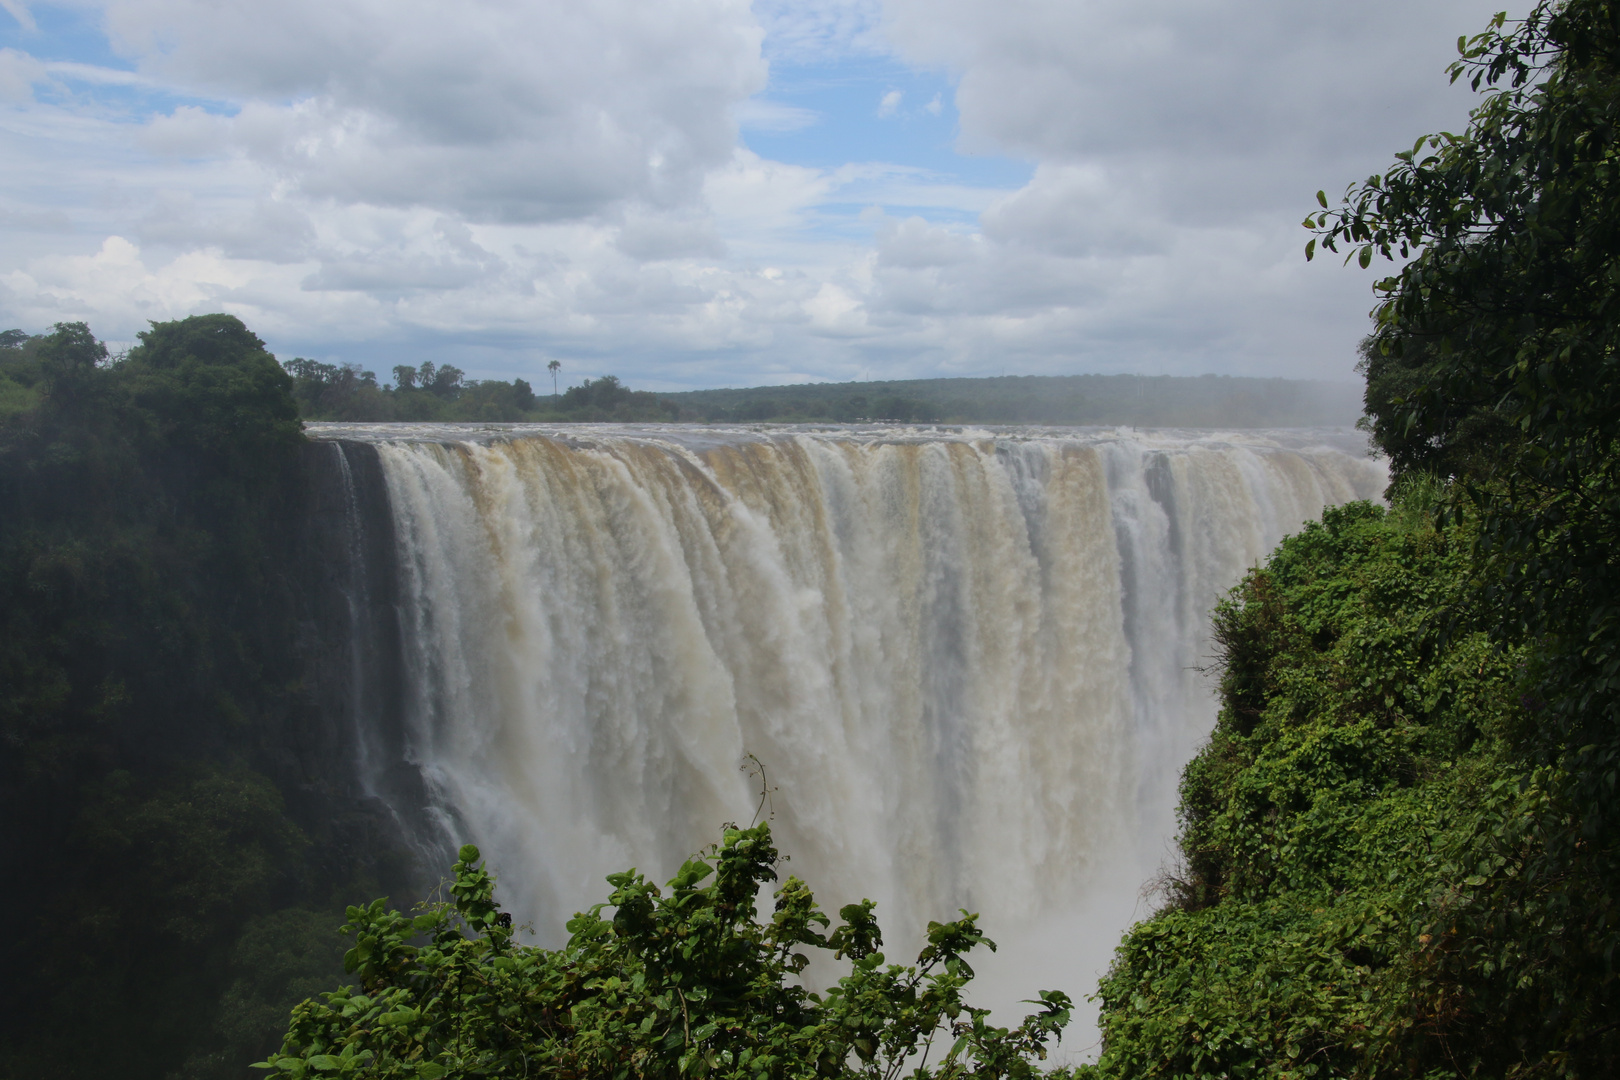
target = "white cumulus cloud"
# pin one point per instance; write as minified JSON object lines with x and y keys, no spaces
{"x":531,"y":111}
{"x":503,"y":183}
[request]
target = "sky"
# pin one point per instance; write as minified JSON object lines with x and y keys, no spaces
{"x":700,"y":193}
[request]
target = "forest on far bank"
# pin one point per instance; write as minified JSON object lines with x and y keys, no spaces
{"x":444,"y":393}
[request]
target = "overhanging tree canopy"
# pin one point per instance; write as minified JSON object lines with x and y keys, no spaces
{"x":1497,"y":346}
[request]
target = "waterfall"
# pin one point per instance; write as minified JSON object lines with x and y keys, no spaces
{"x":969,"y":661}
{"x":360,"y":636}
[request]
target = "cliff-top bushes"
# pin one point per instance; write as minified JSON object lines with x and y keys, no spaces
{"x":1359,"y":795}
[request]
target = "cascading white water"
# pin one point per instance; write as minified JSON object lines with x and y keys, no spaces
{"x":968,"y":660}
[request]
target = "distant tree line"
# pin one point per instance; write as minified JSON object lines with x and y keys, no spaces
{"x":443,"y":392}
{"x":1058,"y":400}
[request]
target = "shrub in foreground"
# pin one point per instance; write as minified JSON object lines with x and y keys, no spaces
{"x":688,"y":982}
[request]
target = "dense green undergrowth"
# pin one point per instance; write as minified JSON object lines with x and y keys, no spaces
{"x":1378,"y":877}
{"x":1346,"y":831}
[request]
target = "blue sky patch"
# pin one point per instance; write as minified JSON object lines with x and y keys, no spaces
{"x":871,"y":109}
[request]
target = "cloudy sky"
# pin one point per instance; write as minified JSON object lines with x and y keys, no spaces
{"x":693,"y":193}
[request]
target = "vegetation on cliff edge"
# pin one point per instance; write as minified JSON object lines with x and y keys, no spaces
{"x":174,"y":822}
{"x":1400,"y":848}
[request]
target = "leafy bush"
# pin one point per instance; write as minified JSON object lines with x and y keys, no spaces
{"x":691,"y":983}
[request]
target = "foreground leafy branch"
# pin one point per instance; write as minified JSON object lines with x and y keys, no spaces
{"x":688,"y":982}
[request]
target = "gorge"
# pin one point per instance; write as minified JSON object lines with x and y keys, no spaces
{"x":258,"y":670}
{"x":969,"y":661}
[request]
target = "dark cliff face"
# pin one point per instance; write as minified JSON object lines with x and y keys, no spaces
{"x":357,"y":767}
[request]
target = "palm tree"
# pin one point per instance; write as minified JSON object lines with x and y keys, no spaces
{"x":552,"y":367}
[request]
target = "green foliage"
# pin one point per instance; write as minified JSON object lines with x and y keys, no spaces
{"x":429,"y":393}
{"x":1496,"y":356}
{"x":1494,"y":362}
{"x":280,"y":959}
{"x":199,"y":851}
{"x":217,"y":403}
{"x":151,"y":700}
{"x":20,"y":387}
{"x":67,"y":362}
{"x":691,"y":982}
{"x":337,"y":392}
{"x":1451,"y":443}
{"x":1374,"y":879}
{"x":1317,"y":780}
{"x":607,"y":399}
{"x":443,"y":393}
